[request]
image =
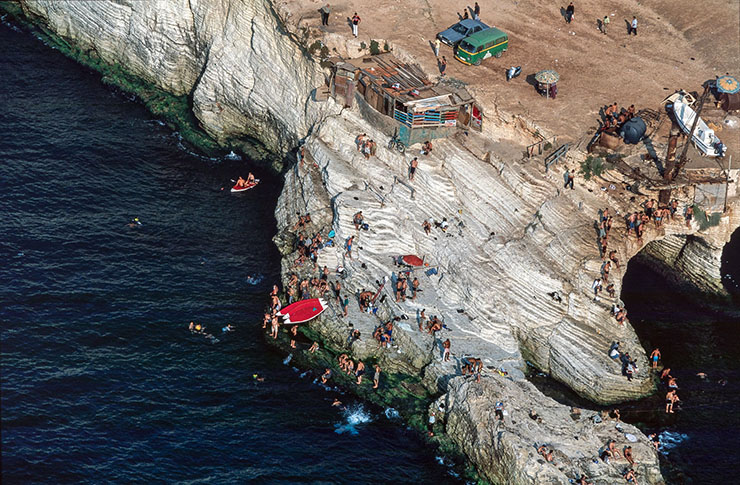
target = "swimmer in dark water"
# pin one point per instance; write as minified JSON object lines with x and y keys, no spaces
{"x":228,"y":328}
{"x":192,"y":327}
{"x":134,"y":222}
{"x":326,"y":375}
{"x":258,"y":378}
{"x":337,"y":403}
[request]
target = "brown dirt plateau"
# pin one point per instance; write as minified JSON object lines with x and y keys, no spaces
{"x":679,"y":44}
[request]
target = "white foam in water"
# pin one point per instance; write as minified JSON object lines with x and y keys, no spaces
{"x":232,"y":156}
{"x":671,"y":439}
{"x":287,"y":360}
{"x":354,"y":416}
{"x":303,"y":374}
{"x":440,"y":460}
{"x":391,"y":413}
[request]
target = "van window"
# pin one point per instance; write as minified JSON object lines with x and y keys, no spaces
{"x":480,"y":48}
{"x":467,"y":47}
{"x":500,"y":40}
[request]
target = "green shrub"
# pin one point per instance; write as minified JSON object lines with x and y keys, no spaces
{"x":386,"y":47}
{"x":374,"y":47}
{"x":363,"y":46}
{"x":594,"y":167}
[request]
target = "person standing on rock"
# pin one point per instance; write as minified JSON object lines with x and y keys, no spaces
{"x":605,"y":24}
{"x":633,"y":26}
{"x":499,"y":410}
{"x":654,"y":357}
{"x":355,"y":22}
{"x":360,"y":372}
{"x":412,"y":168}
{"x":348,"y":246}
{"x":325,"y":11}
{"x":376,"y":377}
{"x":446,"y":350}
{"x":568,"y":177}
{"x":432,"y":420}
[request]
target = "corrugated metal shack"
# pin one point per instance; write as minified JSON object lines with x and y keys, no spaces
{"x":403,"y":92}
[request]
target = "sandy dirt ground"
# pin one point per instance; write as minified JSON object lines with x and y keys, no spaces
{"x":679,"y":44}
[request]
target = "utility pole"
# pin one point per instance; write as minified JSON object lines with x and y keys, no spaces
{"x":682,"y":161}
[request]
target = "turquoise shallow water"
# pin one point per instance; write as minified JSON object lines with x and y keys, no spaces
{"x":101,"y":381}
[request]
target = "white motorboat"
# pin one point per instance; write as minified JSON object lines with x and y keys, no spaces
{"x":704,"y":138}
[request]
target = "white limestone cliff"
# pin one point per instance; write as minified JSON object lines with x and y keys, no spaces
{"x":515,"y":235}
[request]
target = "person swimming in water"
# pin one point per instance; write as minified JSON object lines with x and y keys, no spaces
{"x":135,"y":222}
{"x":191,"y":327}
{"x":228,"y":328}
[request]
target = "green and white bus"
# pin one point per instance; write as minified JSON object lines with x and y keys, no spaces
{"x":482,"y":45}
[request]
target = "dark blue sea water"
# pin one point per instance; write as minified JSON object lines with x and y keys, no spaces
{"x":101,"y":380}
{"x":695,"y":334}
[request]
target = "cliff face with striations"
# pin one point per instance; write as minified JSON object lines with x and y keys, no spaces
{"x":515,"y":235}
{"x":232,"y":58}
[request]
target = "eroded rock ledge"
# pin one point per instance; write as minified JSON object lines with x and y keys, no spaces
{"x":515,"y":235}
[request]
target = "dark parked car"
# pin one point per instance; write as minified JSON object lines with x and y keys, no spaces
{"x":460,"y":30}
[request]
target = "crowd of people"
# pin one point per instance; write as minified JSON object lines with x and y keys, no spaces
{"x":366,"y":146}
{"x":614,"y":117}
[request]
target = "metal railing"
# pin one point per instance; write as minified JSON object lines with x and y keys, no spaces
{"x":539,"y":146}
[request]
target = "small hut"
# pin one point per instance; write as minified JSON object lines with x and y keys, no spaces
{"x":401,"y":91}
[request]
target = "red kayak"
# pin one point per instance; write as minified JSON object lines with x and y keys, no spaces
{"x":236,"y":188}
{"x":412,"y":260}
{"x":303,"y":311}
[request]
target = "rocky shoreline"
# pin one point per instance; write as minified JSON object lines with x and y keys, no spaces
{"x":515,"y":237}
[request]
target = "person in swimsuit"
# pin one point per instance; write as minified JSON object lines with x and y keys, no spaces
{"x":293,"y":335}
{"x":348,"y":245}
{"x":628,"y":455}
{"x":376,"y":377}
{"x":446,"y":352}
{"x":689,"y":214}
{"x":412,"y":168}
{"x":654,"y":357}
{"x":670,"y":399}
{"x":360,"y":372}
{"x":192,"y":327}
{"x":241,"y":182}
{"x":631,"y":476}
{"x":325,"y":376}
{"x":250,"y":178}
